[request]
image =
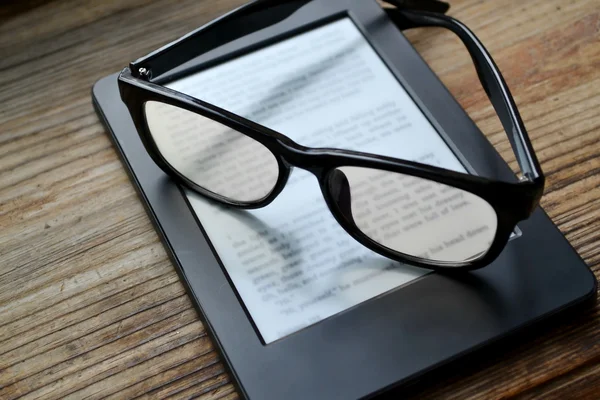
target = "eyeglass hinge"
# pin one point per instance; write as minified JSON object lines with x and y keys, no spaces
{"x":142,"y":73}
{"x":523,"y":178}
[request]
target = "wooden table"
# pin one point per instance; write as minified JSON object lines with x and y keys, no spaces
{"x":90,"y":305}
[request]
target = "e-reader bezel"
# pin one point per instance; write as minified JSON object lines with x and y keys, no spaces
{"x":395,"y":337}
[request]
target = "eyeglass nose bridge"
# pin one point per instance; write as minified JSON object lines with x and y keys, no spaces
{"x":293,"y":155}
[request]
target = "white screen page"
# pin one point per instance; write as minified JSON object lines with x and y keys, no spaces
{"x":291,"y":262}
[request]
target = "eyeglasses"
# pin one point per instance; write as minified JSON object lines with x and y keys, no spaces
{"x":246,"y":165}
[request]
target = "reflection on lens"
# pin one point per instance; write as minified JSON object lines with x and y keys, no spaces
{"x":212,"y":155}
{"x":415,"y":216}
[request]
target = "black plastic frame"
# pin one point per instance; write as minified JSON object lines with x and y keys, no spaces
{"x":512,"y":201}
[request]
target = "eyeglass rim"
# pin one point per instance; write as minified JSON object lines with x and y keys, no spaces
{"x":512,"y":202}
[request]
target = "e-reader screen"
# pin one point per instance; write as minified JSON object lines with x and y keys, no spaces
{"x":291,"y":263}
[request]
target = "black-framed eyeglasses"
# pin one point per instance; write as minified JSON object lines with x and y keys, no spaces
{"x":234,"y":148}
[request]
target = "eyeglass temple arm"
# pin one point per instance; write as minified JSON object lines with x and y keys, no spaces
{"x":237,"y":23}
{"x":491,"y":80}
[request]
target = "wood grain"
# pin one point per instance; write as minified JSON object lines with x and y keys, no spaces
{"x":90,"y":305}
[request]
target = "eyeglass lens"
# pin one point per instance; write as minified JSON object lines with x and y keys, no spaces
{"x":414,"y":216}
{"x":212,"y":155}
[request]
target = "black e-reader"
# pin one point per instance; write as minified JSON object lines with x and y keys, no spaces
{"x":296,"y":307}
